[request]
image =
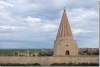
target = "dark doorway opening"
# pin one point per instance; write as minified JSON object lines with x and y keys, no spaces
{"x":67,"y":52}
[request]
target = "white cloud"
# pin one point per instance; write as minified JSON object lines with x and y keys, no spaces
{"x":31,"y":19}
{"x":79,"y":31}
{"x":10,"y":29}
{"x":40,"y":25}
{"x":82,"y":14}
{"x":3,"y":3}
{"x":83,"y":18}
{"x":49,"y":27}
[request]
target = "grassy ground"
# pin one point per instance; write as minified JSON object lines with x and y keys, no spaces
{"x":54,"y":64}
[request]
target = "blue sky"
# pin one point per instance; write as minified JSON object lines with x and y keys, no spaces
{"x":34,"y":23}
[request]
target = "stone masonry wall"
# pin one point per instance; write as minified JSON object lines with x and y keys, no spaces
{"x":49,"y":60}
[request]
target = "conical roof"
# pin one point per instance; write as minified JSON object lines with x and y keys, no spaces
{"x":64,"y":28}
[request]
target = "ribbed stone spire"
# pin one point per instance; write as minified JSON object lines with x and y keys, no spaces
{"x":64,"y":30}
{"x":64,"y":43}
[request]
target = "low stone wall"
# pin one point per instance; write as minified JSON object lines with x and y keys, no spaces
{"x":49,"y":60}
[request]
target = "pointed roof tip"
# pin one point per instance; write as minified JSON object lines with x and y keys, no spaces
{"x":64,"y":8}
{"x":64,"y":11}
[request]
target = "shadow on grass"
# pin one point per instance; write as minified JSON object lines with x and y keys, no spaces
{"x":54,"y":64}
{"x":71,"y":64}
{"x":9,"y":64}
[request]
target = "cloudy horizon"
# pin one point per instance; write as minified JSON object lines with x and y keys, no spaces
{"x":34,"y":23}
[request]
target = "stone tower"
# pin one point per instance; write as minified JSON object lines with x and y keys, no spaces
{"x":65,"y":44}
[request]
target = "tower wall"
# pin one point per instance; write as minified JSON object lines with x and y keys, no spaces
{"x":61,"y":46}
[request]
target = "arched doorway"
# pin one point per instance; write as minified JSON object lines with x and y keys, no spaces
{"x":67,"y":52}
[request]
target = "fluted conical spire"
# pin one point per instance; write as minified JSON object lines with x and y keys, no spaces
{"x":64,"y":28}
{"x":64,"y":43}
